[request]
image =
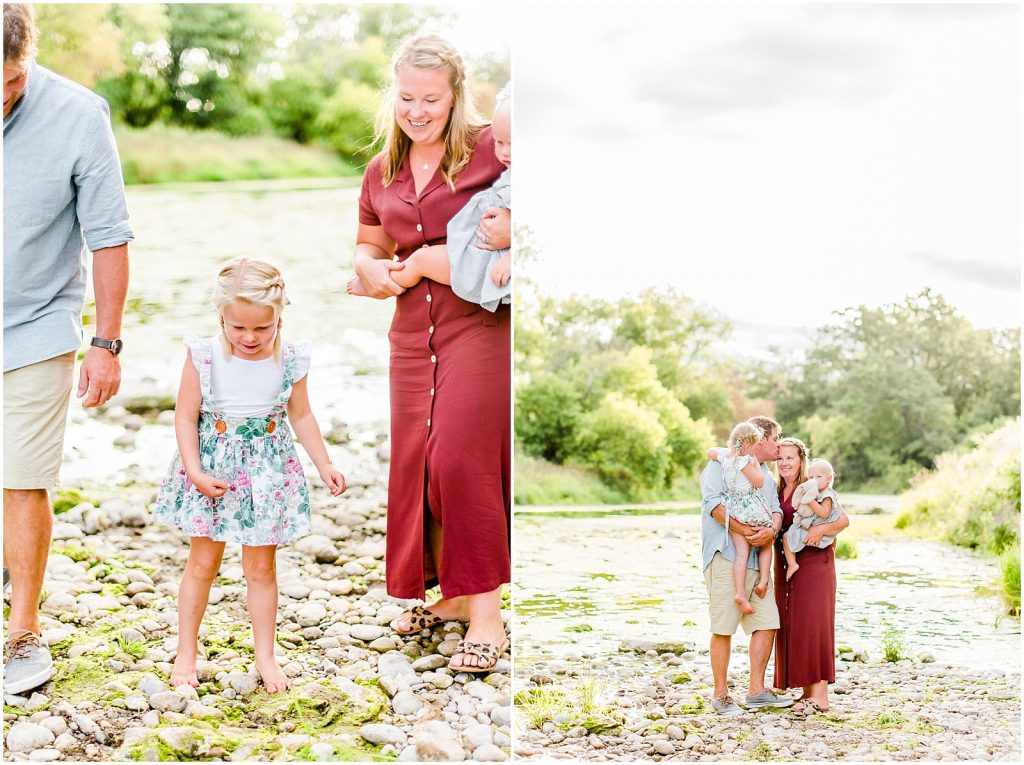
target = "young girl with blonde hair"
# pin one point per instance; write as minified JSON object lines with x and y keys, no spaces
{"x":745,"y":503}
{"x":236,"y":476}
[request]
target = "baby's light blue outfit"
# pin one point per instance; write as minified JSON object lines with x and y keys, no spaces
{"x":797,"y":533}
{"x":471,"y":266}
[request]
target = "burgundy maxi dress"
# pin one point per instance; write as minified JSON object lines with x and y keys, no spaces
{"x":805,"y":643}
{"x":450,"y":398}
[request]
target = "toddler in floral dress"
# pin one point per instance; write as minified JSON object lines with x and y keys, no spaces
{"x":745,"y":503}
{"x":236,"y":476}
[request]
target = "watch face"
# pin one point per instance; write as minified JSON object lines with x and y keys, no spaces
{"x":116,"y":346}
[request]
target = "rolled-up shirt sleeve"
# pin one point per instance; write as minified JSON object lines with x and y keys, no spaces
{"x":770,"y":493}
{"x":101,"y":206}
{"x":712,"y":487}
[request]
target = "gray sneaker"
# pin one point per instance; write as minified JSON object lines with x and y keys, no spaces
{"x":767,"y":698}
{"x":725,"y":705}
{"x":28,"y":662}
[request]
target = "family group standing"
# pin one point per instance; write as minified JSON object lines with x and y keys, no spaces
{"x":434,"y":233}
{"x":744,"y":514}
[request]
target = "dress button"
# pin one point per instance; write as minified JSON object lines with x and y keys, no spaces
{"x":428,"y":422}
{"x":419,"y":227}
{"x":431,"y":391}
{"x":433,"y":359}
{"x":220,"y":426}
{"x":429,"y":298}
{"x":431,"y":330}
{"x":424,"y":246}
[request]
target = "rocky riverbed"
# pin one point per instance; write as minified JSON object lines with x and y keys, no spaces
{"x":359,"y":691}
{"x":652,"y":702}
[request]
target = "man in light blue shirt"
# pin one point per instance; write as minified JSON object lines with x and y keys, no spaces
{"x":62,"y":190}
{"x":718,"y":553}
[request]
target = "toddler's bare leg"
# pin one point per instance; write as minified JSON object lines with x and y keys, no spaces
{"x":260,"y":567}
{"x":764,"y":566}
{"x":193,"y":594}
{"x":426,"y":263}
{"x":739,"y":572}
{"x":791,"y":564}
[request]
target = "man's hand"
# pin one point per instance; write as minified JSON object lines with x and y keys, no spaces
{"x":761,"y":536}
{"x":100,"y":376}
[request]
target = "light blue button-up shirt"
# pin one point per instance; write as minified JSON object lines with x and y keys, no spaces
{"x":713,"y":536}
{"x":62,"y":187}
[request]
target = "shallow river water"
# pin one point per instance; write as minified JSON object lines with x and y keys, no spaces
{"x":585,"y":584}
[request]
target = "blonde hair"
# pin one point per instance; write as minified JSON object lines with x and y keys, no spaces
{"x":254,"y":282}
{"x":744,"y":434}
{"x":827,"y":465}
{"x":19,"y":34}
{"x":767,"y":425}
{"x":801,"y":449}
{"x":464,"y":121}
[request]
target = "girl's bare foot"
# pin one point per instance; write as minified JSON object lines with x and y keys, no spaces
{"x":184,"y":671}
{"x":274,"y":678}
{"x":762,"y":588}
{"x":355,"y":287}
{"x":790,"y":570}
{"x":744,"y":604}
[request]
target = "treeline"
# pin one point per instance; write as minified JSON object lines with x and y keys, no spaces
{"x":883,"y":391}
{"x":635,"y":389}
{"x":310,"y":73}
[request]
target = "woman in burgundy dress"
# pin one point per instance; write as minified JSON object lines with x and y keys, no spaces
{"x":449,"y":490}
{"x":805,"y":641}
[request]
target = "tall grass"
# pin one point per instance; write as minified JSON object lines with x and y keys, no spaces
{"x":972,"y":499}
{"x":165,"y":154}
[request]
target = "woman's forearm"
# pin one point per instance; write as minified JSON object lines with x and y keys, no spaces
{"x":366,"y":253}
{"x":832,"y":528}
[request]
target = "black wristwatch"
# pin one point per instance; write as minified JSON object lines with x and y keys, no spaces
{"x":114,"y":346}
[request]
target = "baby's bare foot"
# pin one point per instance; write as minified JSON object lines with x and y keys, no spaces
{"x":274,"y":678}
{"x":762,"y":588}
{"x":744,"y":604}
{"x":791,"y":569}
{"x":355,"y":287}
{"x":184,"y":671}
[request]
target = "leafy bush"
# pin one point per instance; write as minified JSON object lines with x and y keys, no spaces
{"x":547,"y":417}
{"x":624,"y":443}
{"x":846,"y":548}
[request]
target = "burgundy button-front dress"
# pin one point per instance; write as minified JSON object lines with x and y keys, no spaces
{"x":451,"y":377}
{"x":805,"y":644}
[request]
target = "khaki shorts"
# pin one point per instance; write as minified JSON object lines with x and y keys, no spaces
{"x":725,"y":614}
{"x":35,"y":418}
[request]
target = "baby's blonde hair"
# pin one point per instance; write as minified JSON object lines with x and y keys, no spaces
{"x":746,"y":433}
{"x":827,"y":465}
{"x":250,"y":281}
{"x":464,"y":122}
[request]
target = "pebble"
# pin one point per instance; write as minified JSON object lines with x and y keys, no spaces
{"x":431,"y":747}
{"x":167,"y":701}
{"x":90,"y":727}
{"x":380,"y":733}
{"x":26,"y":736}
{"x":489,"y":753}
{"x":45,"y":755}
{"x":406,"y":704}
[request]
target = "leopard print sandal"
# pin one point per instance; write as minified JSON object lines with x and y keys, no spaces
{"x":488,"y":652}
{"x":419,"y":619}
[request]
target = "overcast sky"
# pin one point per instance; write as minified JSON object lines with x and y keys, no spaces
{"x":806,"y":157}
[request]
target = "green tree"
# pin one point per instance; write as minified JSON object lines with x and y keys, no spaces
{"x":624,"y":444}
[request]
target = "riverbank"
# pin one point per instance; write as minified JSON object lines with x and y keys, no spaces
{"x":652,"y":701}
{"x":360,"y":692}
{"x":166,"y":154}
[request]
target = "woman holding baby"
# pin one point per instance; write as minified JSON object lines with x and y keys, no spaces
{"x":805,"y":642}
